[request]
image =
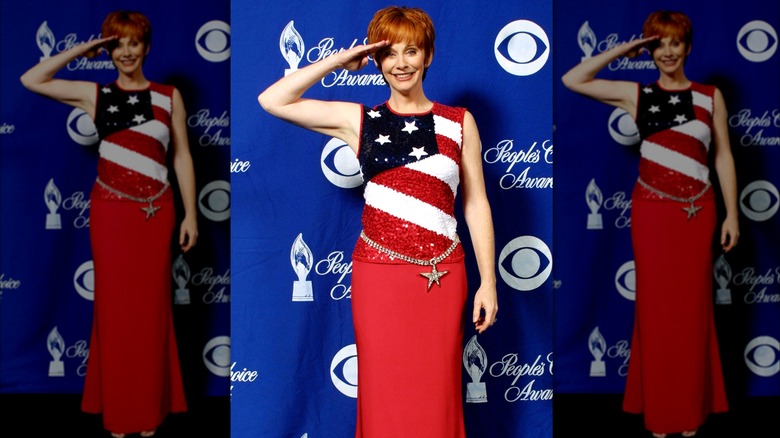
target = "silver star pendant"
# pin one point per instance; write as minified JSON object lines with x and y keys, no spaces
{"x":434,"y":275}
{"x":150,"y":210}
{"x":691,"y":210}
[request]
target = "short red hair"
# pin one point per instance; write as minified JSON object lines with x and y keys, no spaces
{"x":126,"y":24}
{"x":668,"y":24}
{"x":399,"y":24}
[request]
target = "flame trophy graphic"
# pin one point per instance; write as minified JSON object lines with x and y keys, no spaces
{"x":597,"y":346}
{"x":594,"y":199}
{"x":722,"y":272}
{"x":301,"y":261}
{"x":45,"y":40}
{"x":475,"y":362}
{"x":181,"y":275}
{"x":53,"y":199}
{"x":586,"y":39}
{"x":292,"y":47}
{"x":56,"y":346}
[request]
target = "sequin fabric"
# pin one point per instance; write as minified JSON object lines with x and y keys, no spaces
{"x":134,"y":130}
{"x":410,"y":165}
{"x":676,"y":130}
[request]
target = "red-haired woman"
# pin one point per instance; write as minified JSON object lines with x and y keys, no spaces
{"x":133,"y":374}
{"x":674,"y":374}
{"x":408,"y":279}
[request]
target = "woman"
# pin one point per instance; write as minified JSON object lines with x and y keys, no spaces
{"x":408,"y":280}
{"x":133,"y":374}
{"x":674,"y":374}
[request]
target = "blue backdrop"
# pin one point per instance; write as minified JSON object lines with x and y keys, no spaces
{"x":297,"y":204}
{"x":735,"y":48}
{"x":48,"y":159}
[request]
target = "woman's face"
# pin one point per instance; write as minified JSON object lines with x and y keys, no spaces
{"x":403,"y":65}
{"x":670,"y":54}
{"x":129,"y":54}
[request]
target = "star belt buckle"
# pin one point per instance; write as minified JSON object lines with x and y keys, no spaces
{"x":691,"y":210}
{"x":150,"y":210}
{"x":433,"y":276}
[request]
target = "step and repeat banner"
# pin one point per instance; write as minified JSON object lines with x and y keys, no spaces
{"x":48,"y":162}
{"x":735,"y":47}
{"x":297,"y":203}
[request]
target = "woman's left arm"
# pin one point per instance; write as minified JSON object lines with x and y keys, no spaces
{"x":185,"y":173}
{"x":476,"y":209}
{"x":727,"y":175}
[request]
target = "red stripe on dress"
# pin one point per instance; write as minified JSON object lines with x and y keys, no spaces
{"x":681,"y":143}
{"x":402,"y":236}
{"x":140,"y":143}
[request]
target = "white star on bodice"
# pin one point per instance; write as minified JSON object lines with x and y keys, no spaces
{"x":113,"y":109}
{"x":418,"y":152}
{"x":654,"y":109}
{"x":410,"y":127}
{"x":374,"y":114}
{"x":105,"y":90}
{"x":647,"y":90}
{"x":139,"y":119}
{"x":674,"y":100}
{"x":680,"y":118}
{"x":383,"y":139}
{"x":132,"y":100}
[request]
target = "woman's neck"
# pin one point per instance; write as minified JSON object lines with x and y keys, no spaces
{"x":134,"y":82}
{"x":674,"y":82}
{"x":410,"y":104}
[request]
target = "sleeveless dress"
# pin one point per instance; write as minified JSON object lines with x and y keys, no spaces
{"x":133,"y":375}
{"x":674,"y":372}
{"x":409,"y":327}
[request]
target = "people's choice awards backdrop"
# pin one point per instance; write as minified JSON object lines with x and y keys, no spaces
{"x":735,"y":47}
{"x":48,"y":162}
{"x":297,"y":203}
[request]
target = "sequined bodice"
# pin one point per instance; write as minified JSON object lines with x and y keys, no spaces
{"x":410,"y":165}
{"x":134,"y":131}
{"x":675,"y":127}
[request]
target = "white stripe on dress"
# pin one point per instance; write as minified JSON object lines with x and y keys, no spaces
{"x":702,"y":100}
{"x":439,"y":166}
{"x":133,"y":161}
{"x":675,"y":161}
{"x":410,"y":209}
{"x":162,"y":101}
{"x":156,"y":130}
{"x":696,"y":129}
{"x":448,"y":128}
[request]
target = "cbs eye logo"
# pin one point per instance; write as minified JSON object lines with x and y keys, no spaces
{"x":213,"y":41}
{"x":344,"y":371}
{"x":214,"y":200}
{"x":522,"y":48}
{"x":757,"y":41}
{"x":340,"y":165}
{"x":525,"y":263}
{"x":761,"y":356}
{"x":622,"y":128}
{"x":625,"y":280}
{"x":81,"y":128}
{"x":759,"y":200}
{"x":216,"y":356}
{"x":84,"y":280}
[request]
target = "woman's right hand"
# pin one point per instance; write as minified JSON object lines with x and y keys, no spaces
{"x":91,"y":49}
{"x":357,"y":57}
{"x":634,"y":48}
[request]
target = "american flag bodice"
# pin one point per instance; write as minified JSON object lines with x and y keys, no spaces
{"x":410,"y":165}
{"x":676,"y":131}
{"x":134,"y":130}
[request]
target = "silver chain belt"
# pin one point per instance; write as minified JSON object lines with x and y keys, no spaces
{"x":150,"y":210}
{"x":432,"y":276}
{"x":691,"y":209}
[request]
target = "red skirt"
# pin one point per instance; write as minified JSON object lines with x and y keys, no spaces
{"x":133,"y":374}
{"x":409,"y":347}
{"x":674,"y":372}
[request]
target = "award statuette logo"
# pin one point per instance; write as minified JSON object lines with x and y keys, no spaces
{"x":586,"y":39}
{"x":53,"y":199}
{"x":181,"y":275}
{"x":475,"y":362}
{"x":301,"y":260}
{"x":56,"y":346}
{"x":721,"y":270}
{"x":597,"y":346}
{"x":292,"y":47}
{"x":45,"y":40}
{"x":594,"y":199}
